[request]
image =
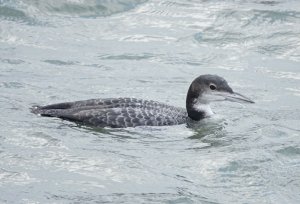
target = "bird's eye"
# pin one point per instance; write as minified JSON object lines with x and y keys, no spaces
{"x":212,"y":87}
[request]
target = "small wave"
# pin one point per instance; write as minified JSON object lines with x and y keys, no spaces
{"x":12,"y":61}
{"x":13,"y":14}
{"x":269,"y":3}
{"x":60,"y":62}
{"x":84,"y":8}
{"x":12,"y":85}
{"x":274,"y":16}
{"x":127,"y":57}
{"x":289,"y":151}
{"x":10,"y":13}
{"x":223,"y":38}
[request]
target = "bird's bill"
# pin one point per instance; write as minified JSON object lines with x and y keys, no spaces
{"x":236,"y":97}
{"x":215,"y":96}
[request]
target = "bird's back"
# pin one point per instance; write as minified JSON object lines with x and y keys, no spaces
{"x":116,"y":112}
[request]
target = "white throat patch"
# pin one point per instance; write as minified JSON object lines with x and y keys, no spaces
{"x":205,"y":108}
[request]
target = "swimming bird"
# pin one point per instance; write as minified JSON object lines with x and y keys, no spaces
{"x":132,"y":112}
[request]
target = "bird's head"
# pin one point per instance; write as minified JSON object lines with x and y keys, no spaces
{"x":211,"y":88}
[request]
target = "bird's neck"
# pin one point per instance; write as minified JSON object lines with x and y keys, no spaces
{"x":197,"y":109}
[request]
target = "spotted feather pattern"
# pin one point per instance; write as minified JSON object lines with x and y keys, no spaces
{"x":116,"y":112}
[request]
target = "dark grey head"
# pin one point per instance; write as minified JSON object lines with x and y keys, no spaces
{"x":210,"y":88}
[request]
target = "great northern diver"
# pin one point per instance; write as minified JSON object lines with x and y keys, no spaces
{"x":131,"y":112}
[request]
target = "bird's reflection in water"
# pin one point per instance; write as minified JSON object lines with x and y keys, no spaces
{"x":123,"y":133}
{"x":211,"y":131}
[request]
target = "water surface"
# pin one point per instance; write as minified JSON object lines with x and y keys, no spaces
{"x":73,"y":50}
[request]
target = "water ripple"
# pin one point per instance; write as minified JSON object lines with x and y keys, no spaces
{"x":13,"y":14}
{"x":85,"y":8}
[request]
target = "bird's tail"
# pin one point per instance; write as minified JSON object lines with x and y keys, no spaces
{"x":54,"y":110}
{"x":42,"y":111}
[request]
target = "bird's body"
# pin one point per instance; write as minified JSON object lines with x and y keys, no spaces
{"x":131,"y":112}
{"x":116,"y":112}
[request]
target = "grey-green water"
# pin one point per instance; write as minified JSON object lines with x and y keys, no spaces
{"x":74,"y":50}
